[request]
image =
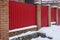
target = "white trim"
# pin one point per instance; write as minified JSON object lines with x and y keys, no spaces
{"x":53,"y":23}
{"x":58,"y":7}
{"x":37,"y":3}
{"x":54,"y":6}
{"x":24,"y":28}
{"x":48,"y":5}
{"x":47,"y":2}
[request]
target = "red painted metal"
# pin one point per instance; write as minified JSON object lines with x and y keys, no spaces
{"x":21,"y":15}
{"x":44,"y":16}
{"x":53,"y":14}
{"x":58,"y":16}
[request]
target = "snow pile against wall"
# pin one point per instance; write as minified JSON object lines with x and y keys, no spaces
{"x":53,"y":31}
{"x":40,"y":38}
{"x":22,"y":35}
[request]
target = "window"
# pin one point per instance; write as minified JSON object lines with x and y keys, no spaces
{"x":29,"y":1}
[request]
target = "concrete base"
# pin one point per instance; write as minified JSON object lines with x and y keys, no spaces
{"x":21,"y":31}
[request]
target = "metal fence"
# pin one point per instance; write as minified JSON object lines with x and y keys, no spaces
{"x":50,"y":1}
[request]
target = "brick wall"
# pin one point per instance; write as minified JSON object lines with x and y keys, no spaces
{"x":4,"y":19}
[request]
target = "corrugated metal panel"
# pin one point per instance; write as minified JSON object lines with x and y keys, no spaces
{"x":22,"y":15}
{"x":53,"y":14}
{"x":44,"y":16}
{"x":58,"y":16}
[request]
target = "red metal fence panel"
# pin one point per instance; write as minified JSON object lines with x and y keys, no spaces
{"x":44,"y":16}
{"x":53,"y":14}
{"x":58,"y":16}
{"x":21,"y":15}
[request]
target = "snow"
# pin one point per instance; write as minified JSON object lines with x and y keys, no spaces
{"x":47,"y":0}
{"x":40,"y":38}
{"x":24,"y":28}
{"x":23,"y":34}
{"x":53,"y":31}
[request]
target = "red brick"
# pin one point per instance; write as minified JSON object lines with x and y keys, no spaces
{"x":4,"y":20}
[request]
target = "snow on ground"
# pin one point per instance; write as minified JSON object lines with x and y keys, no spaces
{"x":53,"y":31}
{"x":40,"y":38}
{"x":23,"y":34}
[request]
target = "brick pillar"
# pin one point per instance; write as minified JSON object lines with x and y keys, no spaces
{"x":49,"y":15}
{"x":57,"y":12}
{"x":38,"y":5}
{"x":58,"y":4}
{"x":4,"y":20}
{"x":57,"y":16}
{"x":39,"y":16}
